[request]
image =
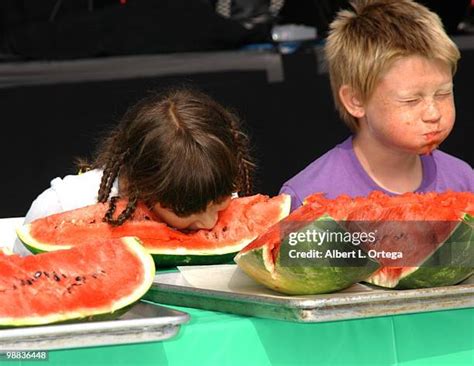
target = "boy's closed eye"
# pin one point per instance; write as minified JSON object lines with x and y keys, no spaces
{"x":416,"y":99}
{"x":411,"y":100}
{"x":446,"y":94}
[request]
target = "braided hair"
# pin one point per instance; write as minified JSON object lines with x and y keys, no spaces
{"x":179,"y":148}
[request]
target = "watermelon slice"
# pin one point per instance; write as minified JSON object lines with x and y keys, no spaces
{"x":433,"y":231}
{"x":81,"y":283}
{"x":238,"y":225}
{"x":419,"y":240}
{"x":270,"y":261}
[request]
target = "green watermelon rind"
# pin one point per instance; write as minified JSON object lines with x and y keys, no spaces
{"x":171,"y":260}
{"x":303,"y":280}
{"x":166,"y":257}
{"x":165,"y":260}
{"x":33,"y":245}
{"x":162,"y":258}
{"x":115,"y":309}
{"x":184,"y":257}
{"x":430,"y":273}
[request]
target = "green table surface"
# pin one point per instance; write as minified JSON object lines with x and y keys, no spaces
{"x":213,"y":338}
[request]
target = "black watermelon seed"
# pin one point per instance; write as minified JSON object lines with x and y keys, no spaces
{"x":38,"y":274}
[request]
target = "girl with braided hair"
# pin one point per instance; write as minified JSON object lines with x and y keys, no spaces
{"x":180,"y":152}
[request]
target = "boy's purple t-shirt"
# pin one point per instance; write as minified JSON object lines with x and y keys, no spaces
{"x":339,"y":172}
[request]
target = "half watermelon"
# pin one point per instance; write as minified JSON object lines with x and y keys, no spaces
{"x":80,"y":283}
{"x":238,"y":225}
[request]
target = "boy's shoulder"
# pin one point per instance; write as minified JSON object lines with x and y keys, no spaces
{"x":452,"y":172}
{"x":333,"y":168}
{"x":450,"y":162}
{"x":327,"y":163}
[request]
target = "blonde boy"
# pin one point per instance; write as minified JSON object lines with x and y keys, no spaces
{"x":391,"y":66}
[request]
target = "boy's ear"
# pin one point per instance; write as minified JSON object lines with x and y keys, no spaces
{"x":350,"y":98}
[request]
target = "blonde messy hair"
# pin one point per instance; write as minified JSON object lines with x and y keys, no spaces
{"x":363,"y":44}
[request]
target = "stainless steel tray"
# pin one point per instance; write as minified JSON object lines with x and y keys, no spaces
{"x":144,"y":322}
{"x":358,"y":301}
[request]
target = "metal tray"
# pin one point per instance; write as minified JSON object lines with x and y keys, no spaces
{"x":144,"y":322}
{"x":358,"y":301}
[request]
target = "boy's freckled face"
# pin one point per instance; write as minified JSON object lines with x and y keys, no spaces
{"x":412,"y":107}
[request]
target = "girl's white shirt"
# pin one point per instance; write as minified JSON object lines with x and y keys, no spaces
{"x":64,"y":194}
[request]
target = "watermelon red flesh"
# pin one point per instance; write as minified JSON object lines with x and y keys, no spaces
{"x":72,"y":284}
{"x":427,"y":223}
{"x":272,"y":238}
{"x":446,"y":206}
{"x":241,"y":222}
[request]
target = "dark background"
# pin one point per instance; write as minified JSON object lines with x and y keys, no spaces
{"x":291,"y":121}
{"x":68,"y":29}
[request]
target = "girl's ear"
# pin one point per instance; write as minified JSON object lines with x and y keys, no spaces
{"x":351,"y":101}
